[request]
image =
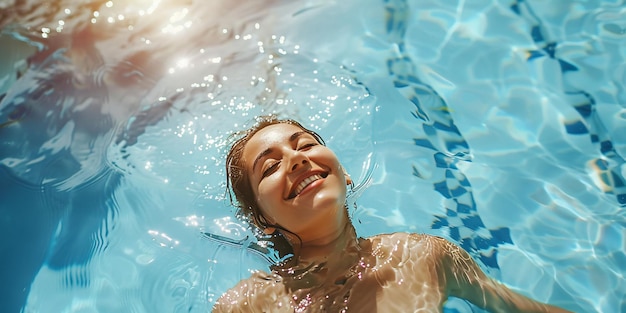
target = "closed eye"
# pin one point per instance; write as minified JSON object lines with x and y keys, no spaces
{"x":306,"y":146}
{"x":271,"y":169}
{"x":274,"y":166}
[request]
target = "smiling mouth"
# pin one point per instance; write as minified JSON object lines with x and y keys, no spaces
{"x":304,"y":183}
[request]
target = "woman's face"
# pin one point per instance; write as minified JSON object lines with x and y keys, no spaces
{"x":297,"y":182}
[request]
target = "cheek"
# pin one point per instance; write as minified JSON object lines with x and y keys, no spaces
{"x":267,"y":195}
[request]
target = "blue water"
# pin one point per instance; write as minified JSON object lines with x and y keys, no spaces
{"x":498,"y":125}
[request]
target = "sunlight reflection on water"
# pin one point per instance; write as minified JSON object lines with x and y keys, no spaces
{"x":116,"y":116}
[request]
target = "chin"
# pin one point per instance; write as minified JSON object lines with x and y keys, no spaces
{"x":324,"y":200}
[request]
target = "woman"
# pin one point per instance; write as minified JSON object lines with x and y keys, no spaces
{"x":291,"y":186}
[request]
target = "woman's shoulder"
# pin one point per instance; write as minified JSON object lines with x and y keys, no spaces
{"x":408,"y":238}
{"x":416,"y":260}
{"x":411,"y":243}
{"x":257,"y":293}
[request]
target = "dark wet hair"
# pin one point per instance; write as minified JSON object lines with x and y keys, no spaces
{"x":238,"y":182}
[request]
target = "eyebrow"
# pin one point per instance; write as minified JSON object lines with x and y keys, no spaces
{"x":267,"y":151}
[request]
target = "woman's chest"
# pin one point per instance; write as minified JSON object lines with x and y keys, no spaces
{"x":381,"y":289}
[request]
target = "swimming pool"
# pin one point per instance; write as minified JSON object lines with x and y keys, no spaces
{"x":499,"y":125}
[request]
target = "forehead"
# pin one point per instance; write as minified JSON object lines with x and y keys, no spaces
{"x":268,"y":136}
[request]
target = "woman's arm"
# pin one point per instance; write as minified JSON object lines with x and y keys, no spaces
{"x":464,"y":279}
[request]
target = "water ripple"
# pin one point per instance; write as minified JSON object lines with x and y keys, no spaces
{"x":115,"y":120}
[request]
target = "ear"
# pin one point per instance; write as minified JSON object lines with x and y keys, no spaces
{"x":348,"y":178}
{"x":269,"y":230}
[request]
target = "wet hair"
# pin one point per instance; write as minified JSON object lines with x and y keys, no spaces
{"x":238,"y":180}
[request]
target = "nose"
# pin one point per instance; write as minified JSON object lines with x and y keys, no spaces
{"x":297,"y":160}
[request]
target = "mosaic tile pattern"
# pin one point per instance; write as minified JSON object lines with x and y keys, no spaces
{"x":608,"y":167}
{"x":461,"y":221}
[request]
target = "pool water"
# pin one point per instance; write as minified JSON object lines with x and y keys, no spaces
{"x":499,"y":125}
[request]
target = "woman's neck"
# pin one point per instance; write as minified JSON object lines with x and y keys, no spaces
{"x":320,"y":263}
{"x":337,"y":244}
